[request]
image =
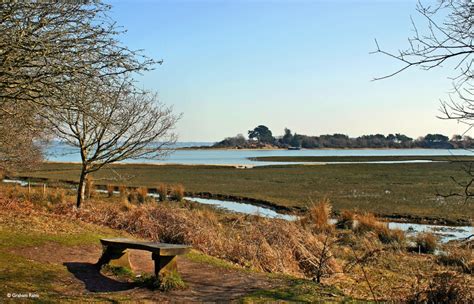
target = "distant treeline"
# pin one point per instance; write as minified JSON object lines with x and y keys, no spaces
{"x":261,"y":137}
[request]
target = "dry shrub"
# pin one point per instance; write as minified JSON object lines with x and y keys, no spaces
{"x":162,"y":191}
{"x":426,"y":243}
{"x":57,"y":196}
{"x":391,"y":236}
{"x":367,"y":222}
{"x":444,"y":287}
{"x":459,"y":257}
{"x":89,"y":189}
{"x":318,"y":217}
{"x":268,"y":245}
{"x":133,"y":196}
{"x":110,"y":190}
{"x":123,"y":190}
{"x":142,"y":194}
{"x":177,"y":192}
{"x":346,"y":220}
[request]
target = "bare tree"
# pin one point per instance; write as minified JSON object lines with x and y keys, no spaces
{"x":447,"y":39}
{"x":44,"y":47}
{"x":110,"y":124}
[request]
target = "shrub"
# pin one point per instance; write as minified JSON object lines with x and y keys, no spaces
{"x":142,"y":193}
{"x":318,"y":217}
{"x":162,"y":191}
{"x":460,"y":257}
{"x":390,"y":236}
{"x":89,"y":189}
{"x":346,"y":220}
{"x":57,"y":196}
{"x":444,"y":287}
{"x":426,"y":243}
{"x":123,"y":191}
{"x":110,"y":190}
{"x":133,"y":196}
{"x":177,"y":192}
{"x":367,"y":222}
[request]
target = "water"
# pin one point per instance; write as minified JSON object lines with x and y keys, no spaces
{"x":62,"y":153}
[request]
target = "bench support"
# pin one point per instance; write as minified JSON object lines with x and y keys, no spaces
{"x":115,"y":256}
{"x":164,"y":264}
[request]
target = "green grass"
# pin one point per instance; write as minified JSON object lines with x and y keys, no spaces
{"x":298,"y":290}
{"x":361,"y":158}
{"x":385,"y":189}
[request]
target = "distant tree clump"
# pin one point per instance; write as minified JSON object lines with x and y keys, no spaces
{"x":262,"y":134}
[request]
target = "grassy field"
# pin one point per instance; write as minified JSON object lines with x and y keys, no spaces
{"x":362,"y":158}
{"x":385,"y":189}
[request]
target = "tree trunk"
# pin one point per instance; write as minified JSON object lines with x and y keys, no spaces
{"x":81,"y":188}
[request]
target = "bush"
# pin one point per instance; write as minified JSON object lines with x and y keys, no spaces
{"x":123,"y":191}
{"x":426,"y":243}
{"x":133,"y":196}
{"x":367,"y":222}
{"x":89,"y":189}
{"x":57,"y":196}
{"x":318,"y":217}
{"x":444,"y":287}
{"x":162,"y":191}
{"x":142,"y":194}
{"x":346,"y":220}
{"x":110,"y":190}
{"x":459,"y":257}
{"x":391,"y":236}
{"x":177,"y":192}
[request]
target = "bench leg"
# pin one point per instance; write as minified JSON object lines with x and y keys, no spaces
{"x":164,"y":264}
{"x":111,"y":253}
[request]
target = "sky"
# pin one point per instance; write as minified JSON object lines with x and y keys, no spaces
{"x":305,"y":65}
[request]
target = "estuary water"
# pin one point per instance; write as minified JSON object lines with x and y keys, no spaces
{"x":63,"y":153}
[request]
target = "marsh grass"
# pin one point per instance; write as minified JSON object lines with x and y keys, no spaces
{"x":346,"y":220}
{"x":318,"y":215}
{"x":142,"y":193}
{"x":162,"y":190}
{"x":459,"y":257}
{"x":110,"y":190}
{"x":177,"y":192}
{"x":426,"y":243}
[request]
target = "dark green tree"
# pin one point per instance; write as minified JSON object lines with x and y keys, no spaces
{"x":262,"y":134}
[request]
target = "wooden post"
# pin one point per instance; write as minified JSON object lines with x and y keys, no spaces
{"x":44,"y":190}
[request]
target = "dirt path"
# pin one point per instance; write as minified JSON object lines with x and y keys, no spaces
{"x":206,"y":283}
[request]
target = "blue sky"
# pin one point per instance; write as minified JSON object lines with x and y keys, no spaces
{"x":232,"y":65}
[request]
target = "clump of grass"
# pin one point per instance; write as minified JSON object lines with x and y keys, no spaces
{"x":170,"y":281}
{"x":318,"y":216}
{"x":133,"y":196}
{"x":57,"y":196}
{"x":123,"y":191}
{"x":89,"y":189}
{"x":142,"y":193}
{"x":346,"y":220}
{"x":177,"y":192}
{"x":367,"y":222}
{"x":459,"y":257}
{"x":391,"y":236}
{"x":426,"y":243}
{"x":162,"y":191}
{"x":110,"y":190}
{"x":444,"y":287}
{"x":118,"y":271}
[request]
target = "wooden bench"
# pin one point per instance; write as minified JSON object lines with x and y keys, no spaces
{"x":163,"y":254}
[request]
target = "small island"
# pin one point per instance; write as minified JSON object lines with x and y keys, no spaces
{"x":261,"y":137}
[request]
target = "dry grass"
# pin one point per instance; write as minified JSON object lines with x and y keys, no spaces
{"x":110,"y":190}
{"x":317,"y":218}
{"x":459,"y":257}
{"x":123,"y":190}
{"x":89,"y":189}
{"x":444,"y":287}
{"x":142,"y":193}
{"x":162,"y":190}
{"x":346,"y":220}
{"x":426,"y":243}
{"x":177,"y":192}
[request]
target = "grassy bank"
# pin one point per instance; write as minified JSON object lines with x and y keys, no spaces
{"x":384,"y":189}
{"x":362,"y":158}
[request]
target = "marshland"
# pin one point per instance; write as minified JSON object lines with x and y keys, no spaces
{"x":121,"y":179}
